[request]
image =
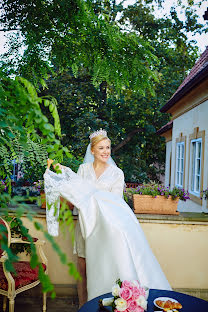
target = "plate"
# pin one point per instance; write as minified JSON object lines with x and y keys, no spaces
{"x":163,"y":299}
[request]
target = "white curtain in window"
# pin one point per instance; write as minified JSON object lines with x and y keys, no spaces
{"x":179,"y":164}
{"x":196,"y":146}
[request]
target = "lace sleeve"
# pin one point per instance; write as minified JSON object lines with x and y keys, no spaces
{"x":52,"y":201}
{"x":52,"y":185}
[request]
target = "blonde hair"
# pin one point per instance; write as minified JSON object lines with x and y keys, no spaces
{"x":95,"y":140}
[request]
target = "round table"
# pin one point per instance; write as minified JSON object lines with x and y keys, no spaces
{"x":189,"y":303}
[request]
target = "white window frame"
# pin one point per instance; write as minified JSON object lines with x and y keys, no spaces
{"x":180,"y":153}
{"x":195,"y":169}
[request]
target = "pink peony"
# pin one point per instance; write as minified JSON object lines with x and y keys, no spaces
{"x":132,"y":306}
{"x":135,"y":293}
{"x":138,"y":309}
{"x":126,"y":284}
{"x":138,"y":291}
{"x":125,"y":293}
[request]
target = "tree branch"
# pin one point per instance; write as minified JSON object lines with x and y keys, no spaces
{"x":127,"y":139}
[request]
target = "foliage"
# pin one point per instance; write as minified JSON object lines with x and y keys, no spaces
{"x":76,"y":35}
{"x":22,"y":118}
{"x":155,"y":190}
{"x":130,"y":118}
{"x":96,"y":72}
{"x":15,"y":226}
{"x":22,"y":123}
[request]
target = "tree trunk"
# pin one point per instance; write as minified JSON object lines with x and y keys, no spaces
{"x":127,"y":139}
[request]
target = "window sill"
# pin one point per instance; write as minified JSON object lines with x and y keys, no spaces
{"x":195,"y":198}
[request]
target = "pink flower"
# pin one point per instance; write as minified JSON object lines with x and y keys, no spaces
{"x":138,"y":291}
{"x":138,"y":309}
{"x":135,"y":293}
{"x":126,"y":284}
{"x":125,"y":293}
{"x":132,"y":306}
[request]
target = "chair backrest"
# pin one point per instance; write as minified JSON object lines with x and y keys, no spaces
{"x":4,"y":232}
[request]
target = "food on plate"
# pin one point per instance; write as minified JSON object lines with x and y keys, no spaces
{"x":168,"y":304}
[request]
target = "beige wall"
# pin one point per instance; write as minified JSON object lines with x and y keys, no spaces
{"x":180,"y":248}
{"x":58,"y":273}
{"x":182,"y":252}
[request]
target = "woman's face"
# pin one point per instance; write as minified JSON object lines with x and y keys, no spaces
{"x":102,"y":150}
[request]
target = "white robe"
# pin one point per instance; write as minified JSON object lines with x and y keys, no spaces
{"x":115,"y":243}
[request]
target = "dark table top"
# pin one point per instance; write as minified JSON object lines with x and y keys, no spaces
{"x":189,"y":303}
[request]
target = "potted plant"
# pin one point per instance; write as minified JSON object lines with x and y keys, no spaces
{"x":28,"y":193}
{"x":40,"y":187}
{"x":156,"y":199}
{"x":204,"y":194}
{"x":16,"y":232}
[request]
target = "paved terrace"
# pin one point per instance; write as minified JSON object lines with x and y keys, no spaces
{"x":34,"y":304}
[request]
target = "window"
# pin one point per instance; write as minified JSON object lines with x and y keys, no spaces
{"x":179,"y":164}
{"x":196,"y":152}
{"x":180,"y":161}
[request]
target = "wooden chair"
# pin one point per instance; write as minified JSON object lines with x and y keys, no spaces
{"x":25,"y":278}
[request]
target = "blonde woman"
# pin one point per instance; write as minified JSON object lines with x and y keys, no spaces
{"x":99,"y":168}
{"x":110,"y":243}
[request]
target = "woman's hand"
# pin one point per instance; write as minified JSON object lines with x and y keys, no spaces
{"x":57,"y":166}
{"x":49,"y":163}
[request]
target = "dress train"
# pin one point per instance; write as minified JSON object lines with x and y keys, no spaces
{"x":116,"y":246}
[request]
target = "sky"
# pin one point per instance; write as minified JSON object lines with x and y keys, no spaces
{"x":202,"y":40}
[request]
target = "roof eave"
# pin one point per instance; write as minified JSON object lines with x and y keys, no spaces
{"x":165,"y":128}
{"x":196,"y":80}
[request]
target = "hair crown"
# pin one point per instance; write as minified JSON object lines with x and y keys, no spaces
{"x":98,"y":132}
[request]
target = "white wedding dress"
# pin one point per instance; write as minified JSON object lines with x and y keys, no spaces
{"x":115,"y":243}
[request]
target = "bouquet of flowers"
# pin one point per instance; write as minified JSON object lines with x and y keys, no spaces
{"x":128,"y":296}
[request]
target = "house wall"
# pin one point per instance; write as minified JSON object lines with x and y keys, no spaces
{"x":185,"y":124}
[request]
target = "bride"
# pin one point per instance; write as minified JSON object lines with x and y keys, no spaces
{"x":108,"y":234}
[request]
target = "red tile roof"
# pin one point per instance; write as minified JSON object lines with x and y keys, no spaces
{"x":198,"y":72}
{"x":199,"y":65}
{"x":165,"y":128}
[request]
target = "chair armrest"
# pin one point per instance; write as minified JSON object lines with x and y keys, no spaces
{"x":38,"y":242}
{"x":3,"y":258}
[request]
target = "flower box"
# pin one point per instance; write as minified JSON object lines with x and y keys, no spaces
{"x":155,"y":205}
